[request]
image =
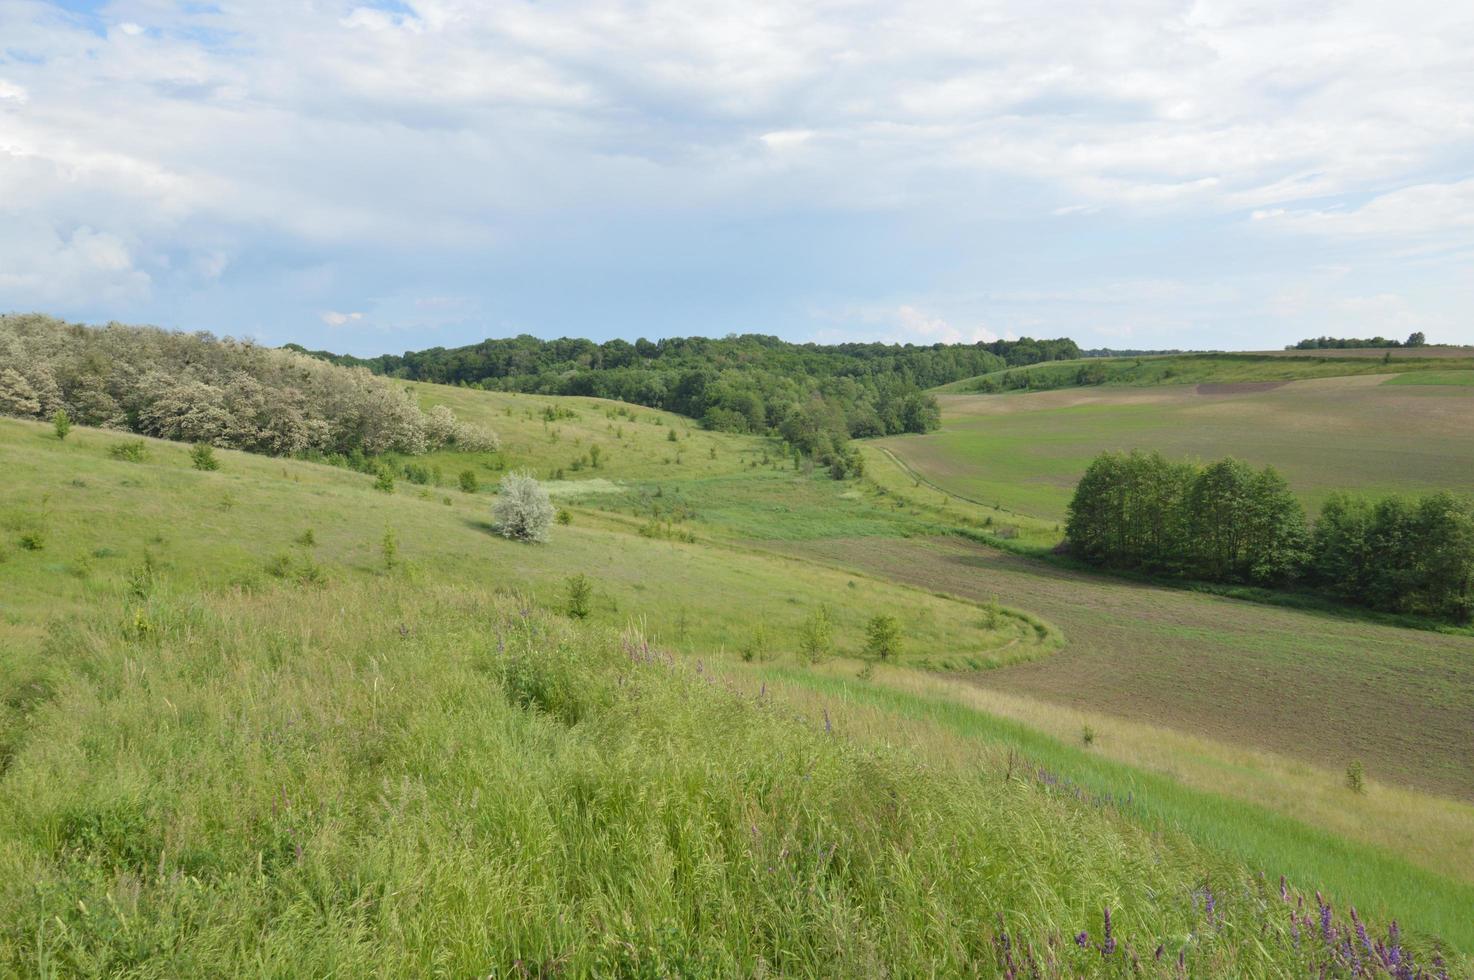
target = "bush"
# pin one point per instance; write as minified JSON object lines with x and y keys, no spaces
{"x":468,"y":481}
{"x":816,"y":635}
{"x":883,"y":637}
{"x":61,"y":423}
{"x":580,"y":593}
{"x":385,"y":480}
{"x":389,"y":546}
{"x":522,"y":510}
{"x":134,"y":450}
{"x":33,"y":540}
{"x":1356,"y":775}
{"x":565,"y":517}
{"x":202,"y":455}
{"x":756,"y":645}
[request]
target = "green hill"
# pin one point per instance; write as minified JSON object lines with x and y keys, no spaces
{"x":233,"y":748}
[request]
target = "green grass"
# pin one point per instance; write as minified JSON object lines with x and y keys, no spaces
{"x":1025,"y":452}
{"x":240,"y":526}
{"x":385,"y":779}
{"x":342,"y":768}
{"x":1268,"y":842}
{"x":194,"y":689}
{"x":1460,"y":378}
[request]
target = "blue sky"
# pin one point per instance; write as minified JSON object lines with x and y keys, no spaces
{"x":382,"y":177}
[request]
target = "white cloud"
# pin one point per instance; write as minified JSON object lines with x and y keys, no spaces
{"x":337,"y":128}
{"x":335,"y":319}
{"x":1420,"y":211}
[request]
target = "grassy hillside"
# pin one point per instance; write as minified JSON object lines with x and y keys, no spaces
{"x":254,"y":754}
{"x":98,"y":518}
{"x":1026,"y":451}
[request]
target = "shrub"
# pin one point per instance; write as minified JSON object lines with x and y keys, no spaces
{"x":468,"y":481}
{"x":385,"y":480}
{"x":1356,"y":775}
{"x":33,"y":540}
{"x":594,"y":453}
{"x":756,"y":645}
{"x":134,"y":450}
{"x":522,"y":510}
{"x":389,"y":546}
{"x":202,"y":455}
{"x":565,"y":517}
{"x":816,"y":635}
{"x":883,"y":637}
{"x":1087,"y":735}
{"x":580,"y":592}
{"x":61,"y":423}
{"x":671,"y":436}
{"x":307,"y":539}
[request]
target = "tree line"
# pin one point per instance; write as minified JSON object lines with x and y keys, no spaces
{"x":1354,"y":343}
{"x":194,"y":387}
{"x":817,"y":397}
{"x":1228,"y":522}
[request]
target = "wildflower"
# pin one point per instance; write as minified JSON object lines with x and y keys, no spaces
{"x":1109,"y":946}
{"x":1083,"y":939}
{"x":1284,"y":892}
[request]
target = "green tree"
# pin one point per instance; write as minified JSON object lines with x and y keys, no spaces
{"x":816,"y":635}
{"x":468,"y":481}
{"x":61,"y":423}
{"x":202,"y":456}
{"x":883,"y":637}
{"x":384,"y":482}
{"x":580,"y":594}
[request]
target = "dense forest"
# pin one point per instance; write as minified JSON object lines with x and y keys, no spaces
{"x":1355,"y":343}
{"x":1227,"y":522}
{"x":194,"y":387}
{"x":817,"y":397}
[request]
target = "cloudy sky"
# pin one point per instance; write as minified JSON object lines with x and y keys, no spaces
{"x":381,"y":177}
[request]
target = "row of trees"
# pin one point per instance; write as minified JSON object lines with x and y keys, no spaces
{"x":815,"y":396}
{"x":199,"y":388}
{"x":1354,"y":343}
{"x":1227,"y":522}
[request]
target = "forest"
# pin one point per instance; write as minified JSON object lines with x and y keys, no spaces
{"x":1227,"y":522}
{"x":816,"y":396}
{"x":194,"y":387}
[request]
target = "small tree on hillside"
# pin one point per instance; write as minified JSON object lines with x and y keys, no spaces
{"x":522,"y":511}
{"x":816,"y":635}
{"x":883,"y":637}
{"x":468,"y":481}
{"x":580,"y":596}
{"x":61,"y":423}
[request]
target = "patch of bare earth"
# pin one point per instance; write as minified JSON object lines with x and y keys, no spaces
{"x":1324,"y":688}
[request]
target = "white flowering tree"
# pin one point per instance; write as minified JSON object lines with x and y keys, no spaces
{"x":522,"y":510}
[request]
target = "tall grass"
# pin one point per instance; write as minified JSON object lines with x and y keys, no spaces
{"x":370,"y":778}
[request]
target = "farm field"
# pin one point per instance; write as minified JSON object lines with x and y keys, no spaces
{"x":1297,"y":683}
{"x":1025,"y":451}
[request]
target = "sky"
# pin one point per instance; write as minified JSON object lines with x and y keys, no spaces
{"x":384,"y":177}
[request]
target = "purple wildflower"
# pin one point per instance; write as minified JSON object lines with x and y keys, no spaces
{"x":1083,"y":939}
{"x":1284,"y":891}
{"x":1326,"y":932}
{"x":1109,"y":946}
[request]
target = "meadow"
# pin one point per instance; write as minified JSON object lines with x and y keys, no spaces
{"x":231,"y":747}
{"x":1025,"y":451}
{"x":227,"y":626}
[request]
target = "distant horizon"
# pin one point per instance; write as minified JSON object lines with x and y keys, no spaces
{"x":827,"y":342}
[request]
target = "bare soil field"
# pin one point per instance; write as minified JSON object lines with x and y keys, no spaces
{"x":1317,"y":687}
